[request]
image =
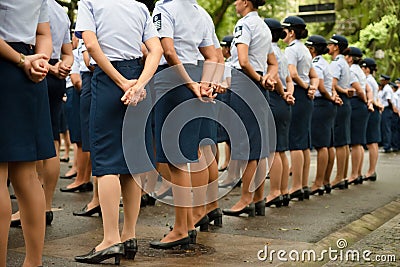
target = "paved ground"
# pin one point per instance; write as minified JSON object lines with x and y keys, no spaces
{"x":362,"y":217}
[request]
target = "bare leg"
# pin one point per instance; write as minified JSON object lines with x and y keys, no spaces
{"x":247,"y":179}
{"x":182,"y":201}
{"x":199,"y":178}
{"x":285,"y":173}
{"x":322,"y":163}
{"x":50,"y":174}
{"x":84,"y":168}
{"x":31,"y":203}
{"x":329,"y":167}
{"x":361,"y":160}
{"x":5,"y":213}
{"x":275,"y":174}
{"x":356,"y":151}
{"x":341,"y":154}
{"x":212,"y":189}
{"x":297,"y":161}
{"x":259,"y":180}
{"x":67,"y":143}
{"x":373,"y":158}
{"x":346,"y":163}
{"x":306,"y":167}
{"x":74,"y":167}
{"x":94,"y":202}
{"x":131,"y":198}
{"x":109,"y":195}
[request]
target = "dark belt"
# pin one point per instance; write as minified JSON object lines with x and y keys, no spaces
{"x":53,"y":61}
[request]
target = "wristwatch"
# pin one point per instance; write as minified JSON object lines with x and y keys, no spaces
{"x":21,"y":60}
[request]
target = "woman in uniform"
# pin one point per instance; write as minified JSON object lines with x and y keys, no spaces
{"x":280,"y":102}
{"x":116,"y":48}
{"x":324,"y":113}
{"x":250,"y":49}
{"x":26,"y":135}
{"x":374,"y":122}
{"x":306,"y":82}
{"x":337,"y":44}
{"x":359,"y":113}
{"x":181,"y":27}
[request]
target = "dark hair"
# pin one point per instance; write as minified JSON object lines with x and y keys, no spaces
{"x":277,"y":34}
{"x":321,"y":49}
{"x":150,"y":4}
{"x":257,"y":3}
{"x":299,"y":32}
{"x":356,"y":59}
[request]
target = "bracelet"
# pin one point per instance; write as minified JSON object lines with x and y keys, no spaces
{"x":21,"y":62}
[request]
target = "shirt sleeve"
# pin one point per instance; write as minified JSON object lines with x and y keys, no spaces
{"x":75,"y":66}
{"x":163,"y":22}
{"x":149,"y":30}
{"x":242,"y":34}
{"x":44,"y":13}
{"x":353,"y":78}
{"x":335,"y":70}
{"x":291,"y":56}
{"x":67,"y":35}
{"x":85,"y":19}
{"x":319,"y":71}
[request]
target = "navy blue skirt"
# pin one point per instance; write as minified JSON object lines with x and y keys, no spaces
{"x":107,"y":114}
{"x":72,"y":110}
{"x":222,"y":134}
{"x":56,"y":91}
{"x":374,"y":127}
{"x":341,"y":131}
{"x":249,"y":100}
{"x":322,"y":123}
{"x":359,"y":120}
{"x":300,"y":125}
{"x":26,"y":133}
{"x":85,"y":106}
{"x":282,"y":115}
{"x":177,"y":117}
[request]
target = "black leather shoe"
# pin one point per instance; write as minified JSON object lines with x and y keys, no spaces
{"x":66,"y":160}
{"x":13,"y":196}
{"x":346,"y":183}
{"x":360,"y":179}
{"x":370,"y":178}
{"x":115,"y":251}
{"x":130,"y":248}
{"x":299,"y":194}
{"x":68,"y":176}
{"x":203,"y":224}
{"x":87,"y":187}
{"x":320,"y":191}
{"x":184,"y":243}
{"x":216,"y":217}
{"x":193,"y":236}
{"x":276,"y":201}
{"x":285,"y":200}
{"x":87,"y":213}
{"x":15,"y":223}
{"x":260,"y":208}
{"x":249,"y":210}
{"x":356,"y":181}
{"x":307,"y":192}
{"x":328,"y":188}
{"x":49,"y":217}
{"x":340,"y":185}
{"x":151,"y":201}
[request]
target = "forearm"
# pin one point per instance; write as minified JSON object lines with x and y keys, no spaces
{"x":8,"y":53}
{"x":66,"y":54}
{"x":44,"y":43}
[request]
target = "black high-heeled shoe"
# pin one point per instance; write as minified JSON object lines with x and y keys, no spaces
{"x":115,"y":251}
{"x":249,"y":210}
{"x":285,"y":200}
{"x":320,"y":191}
{"x":49,"y":217}
{"x":276,"y":201}
{"x":328,"y":188}
{"x":86,"y":187}
{"x":215,"y":216}
{"x":260,"y":208}
{"x":87,"y":213}
{"x":166,"y":193}
{"x":130,"y":248}
{"x":346,"y":183}
{"x":193,"y":236}
{"x":307,"y":191}
{"x":299,"y":194}
{"x":203,"y":224}
{"x":370,"y":178}
{"x":356,"y":181}
{"x":183,"y":242}
{"x":340,"y":185}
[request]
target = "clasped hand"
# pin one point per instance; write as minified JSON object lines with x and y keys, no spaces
{"x":36,"y":67}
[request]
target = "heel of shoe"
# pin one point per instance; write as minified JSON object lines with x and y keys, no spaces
{"x":218,"y":221}
{"x":117,"y":260}
{"x":204,"y":227}
{"x":259,"y":208}
{"x":321,"y":192}
{"x":130,"y":254}
{"x":279,"y":203}
{"x":184,"y":246}
{"x":286,"y":200}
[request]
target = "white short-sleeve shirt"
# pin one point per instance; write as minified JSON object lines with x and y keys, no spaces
{"x":19,"y":19}
{"x":59,"y":26}
{"x":299,"y":56}
{"x":323,"y":71}
{"x":121,"y":26}
{"x":185,"y":23}
{"x":252,"y":31}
